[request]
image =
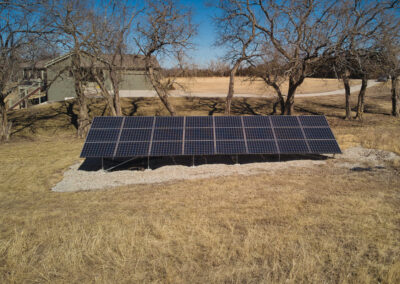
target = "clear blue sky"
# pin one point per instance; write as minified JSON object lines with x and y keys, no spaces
{"x":204,"y":50}
{"x":202,"y":17}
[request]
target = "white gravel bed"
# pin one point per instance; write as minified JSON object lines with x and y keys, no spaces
{"x":78,"y":180}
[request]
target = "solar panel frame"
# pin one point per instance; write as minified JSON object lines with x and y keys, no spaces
{"x":208,"y":135}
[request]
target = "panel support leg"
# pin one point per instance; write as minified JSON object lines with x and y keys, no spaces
{"x":279,"y":157}
{"x":237,"y":159}
{"x":102,"y":163}
{"x":148,"y":162}
{"x":193,"y":161}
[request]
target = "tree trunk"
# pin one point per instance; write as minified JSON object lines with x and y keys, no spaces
{"x":395,"y":96}
{"x":289,"y":104}
{"x":361,"y":98}
{"x":346,"y":84}
{"x":280,"y":101}
{"x":160,"y":90}
{"x":231,"y":90}
{"x":5,"y":125}
{"x":106,"y":94}
{"x":115,"y":84}
{"x":83,"y":116}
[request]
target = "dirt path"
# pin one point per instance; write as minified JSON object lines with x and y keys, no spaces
{"x":135,"y":94}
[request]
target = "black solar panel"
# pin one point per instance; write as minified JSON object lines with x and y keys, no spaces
{"x":288,"y":133}
{"x":98,"y":150}
{"x":106,"y":122}
{"x":169,"y":122}
{"x":318,"y":133}
{"x":131,"y":149}
{"x":102,"y":135}
{"x":228,"y":121}
{"x":259,"y":133}
{"x":131,"y":135}
{"x":199,"y":148}
{"x":313,"y":120}
{"x":284,"y":121}
{"x":199,"y":134}
{"x":139,"y":122}
{"x":166,"y":148}
{"x":208,"y":135}
{"x":229,"y":133}
{"x":292,"y":146}
{"x":262,"y":146}
{"x":256,"y":121}
{"x":324,"y":146}
{"x":168,"y":134}
{"x":231,"y":147}
{"x":199,"y":121}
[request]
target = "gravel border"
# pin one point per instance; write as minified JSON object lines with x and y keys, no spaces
{"x":76,"y":179}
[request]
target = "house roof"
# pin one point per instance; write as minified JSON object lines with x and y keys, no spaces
{"x":34,"y":65}
{"x":126,"y":61}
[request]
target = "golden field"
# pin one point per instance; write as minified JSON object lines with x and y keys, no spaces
{"x":244,"y":85}
{"x":299,"y":226}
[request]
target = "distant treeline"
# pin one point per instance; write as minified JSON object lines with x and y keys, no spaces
{"x":320,"y":71}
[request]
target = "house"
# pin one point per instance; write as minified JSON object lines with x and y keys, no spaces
{"x":55,"y":82}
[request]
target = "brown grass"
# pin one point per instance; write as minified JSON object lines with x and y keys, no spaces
{"x":243,"y":85}
{"x":323,"y":225}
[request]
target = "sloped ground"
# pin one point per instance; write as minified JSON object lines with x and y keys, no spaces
{"x":335,"y":222}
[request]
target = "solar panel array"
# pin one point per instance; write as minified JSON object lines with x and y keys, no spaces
{"x":111,"y":137}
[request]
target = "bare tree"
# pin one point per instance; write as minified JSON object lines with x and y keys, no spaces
{"x":164,"y":28}
{"x":355,"y":50}
{"x":238,"y":34}
{"x":389,"y":50}
{"x":71,"y":21}
{"x":110,"y":30}
{"x":297,"y":30}
{"x":20,"y":26}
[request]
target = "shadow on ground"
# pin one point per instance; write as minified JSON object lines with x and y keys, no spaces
{"x":95,"y":164}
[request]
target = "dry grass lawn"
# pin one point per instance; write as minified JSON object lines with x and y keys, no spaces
{"x":244,"y":85}
{"x":325,"y":225}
